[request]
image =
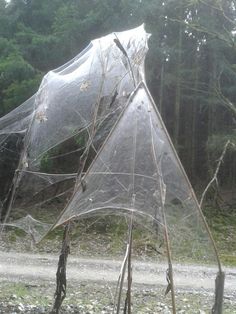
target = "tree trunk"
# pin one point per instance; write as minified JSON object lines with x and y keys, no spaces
{"x":178,"y":84}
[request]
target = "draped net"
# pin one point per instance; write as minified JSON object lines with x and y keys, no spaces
{"x":43,"y":141}
{"x":91,"y":142}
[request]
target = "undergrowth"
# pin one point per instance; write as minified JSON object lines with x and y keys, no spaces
{"x":106,"y":236}
{"x":223,"y":227}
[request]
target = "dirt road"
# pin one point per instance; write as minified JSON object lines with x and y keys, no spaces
{"x":29,"y":267}
{"x":27,"y":285}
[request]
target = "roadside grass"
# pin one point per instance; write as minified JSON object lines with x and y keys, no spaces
{"x":98,"y":297}
{"x":223,"y":227}
{"x":106,"y":236}
{"x":19,"y":292}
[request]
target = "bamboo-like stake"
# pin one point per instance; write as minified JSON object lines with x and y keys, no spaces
{"x":219,"y":281}
{"x":60,"y":292}
{"x":186,"y":177}
{"x":219,"y":293}
{"x":220,"y":273}
{"x":170,"y":268}
{"x":127,"y":260}
{"x":121,"y":280}
{"x":10,"y":198}
{"x":128,"y":295}
{"x":161,"y":186}
{"x":122,"y":49}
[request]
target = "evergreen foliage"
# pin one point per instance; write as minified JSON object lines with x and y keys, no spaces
{"x":191,"y":66}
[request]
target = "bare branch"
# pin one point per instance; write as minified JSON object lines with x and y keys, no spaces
{"x":224,"y":99}
{"x":214,"y":178}
{"x":204,"y":30}
{"x":220,"y":9}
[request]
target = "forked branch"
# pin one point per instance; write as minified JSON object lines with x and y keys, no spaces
{"x":214,"y":178}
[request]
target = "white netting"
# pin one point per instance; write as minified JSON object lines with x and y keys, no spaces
{"x":30,"y":226}
{"x":91,"y":142}
{"x":74,"y":110}
{"x":137,"y":171}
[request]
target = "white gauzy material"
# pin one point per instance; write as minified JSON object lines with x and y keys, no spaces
{"x":43,"y":141}
{"x":30,"y":226}
{"x":137,"y":171}
{"x":91,"y":142}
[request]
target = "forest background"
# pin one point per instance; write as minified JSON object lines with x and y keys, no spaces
{"x":190,"y":68}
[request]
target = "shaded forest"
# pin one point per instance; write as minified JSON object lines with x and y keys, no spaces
{"x":190,"y":68}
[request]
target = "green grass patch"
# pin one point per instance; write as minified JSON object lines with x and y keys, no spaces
{"x":20,"y":292}
{"x":106,"y":236}
{"x":223,"y":227}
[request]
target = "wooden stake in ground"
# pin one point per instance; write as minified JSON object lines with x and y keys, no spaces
{"x":120,"y":284}
{"x":127,"y":308}
{"x":170,"y":278}
{"x":60,"y":293}
{"x":219,"y":293}
{"x":220,"y":279}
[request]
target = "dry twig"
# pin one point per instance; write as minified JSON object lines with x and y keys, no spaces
{"x":214,"y":178}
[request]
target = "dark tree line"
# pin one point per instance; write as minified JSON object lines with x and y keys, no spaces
{"x":191,"y":65}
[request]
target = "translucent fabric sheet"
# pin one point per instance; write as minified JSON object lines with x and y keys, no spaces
{"x":91,"y":142}
{"x":138,"y":172}
{"x":44,"y":140}
{"x":30,"y":226}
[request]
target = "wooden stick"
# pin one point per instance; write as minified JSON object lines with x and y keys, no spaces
{"x":127,"y":259}
{"x":219,"y":282}
{"x":60,"y":292}
{"x":128,"y":296}
{"x":170,"y":269}
{"x":219,"y":293}
{"x":214,"y":178}
{"x":186,"y":177}
{"x":121,"y":279}
{"x":122,"y":49}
